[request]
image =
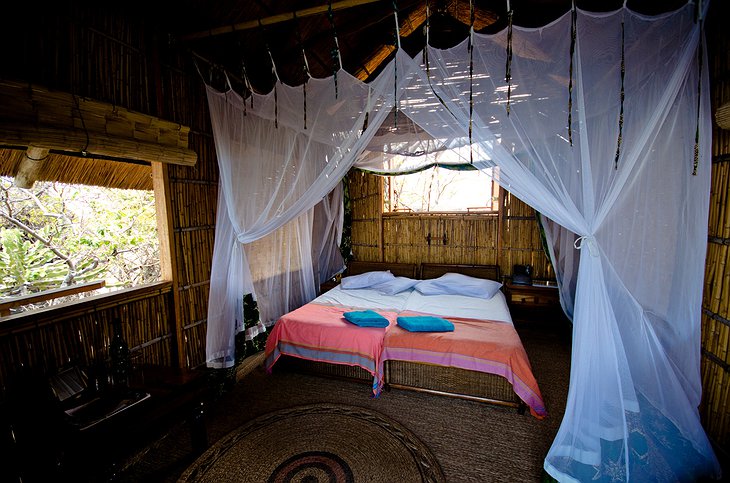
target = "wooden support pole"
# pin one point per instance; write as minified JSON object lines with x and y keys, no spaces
{"x":30,"y":166}
{"x":274,"y":19}
{"x":500,"y":227}
{"x":61,"y":121}
{"x":168,"y":262}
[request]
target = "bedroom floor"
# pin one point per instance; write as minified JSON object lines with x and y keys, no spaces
{"x":472,"y":441}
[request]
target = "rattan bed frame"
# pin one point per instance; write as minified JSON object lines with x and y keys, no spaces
{"x":415,"y":376}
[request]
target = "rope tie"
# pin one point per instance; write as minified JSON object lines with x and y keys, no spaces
{"x":623,"y":96}
{"x":471,"y":81}
{"x":508,"y":67}
{"x":426,"y":61}
{"x":395,"y":64}
{"x":247,"y":85}
{"x":337,"y":59}
{"x":573,"y":36}
{"x":700,"y":61}
{"x":305,"y":66}
{"x":276,"y":76}
{"x":587,"y":240}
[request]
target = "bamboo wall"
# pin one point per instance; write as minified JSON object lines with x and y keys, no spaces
{"x":509,"y":238}
{"x":49,"y":340}
{"x":112,"y":56}
{"x":715,"y":408}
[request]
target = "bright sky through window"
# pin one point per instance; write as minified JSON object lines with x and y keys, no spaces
{"x":441,"y":190}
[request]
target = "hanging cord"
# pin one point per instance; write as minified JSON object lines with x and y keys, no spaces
{"x":305,"y":65}
{"x":337,"y":60}
{"x":700,"y":61}
{"x":508,"y":67}
{"x":471,"y":80}
{"x":395,"y":64}
{"x":246,"y":86}
{"x":246,"y":83}
{"x":276,"y":76}
{"x":623,"y":96}
{"x":426,"y":61}
{"x":573,"y":36}
{"x":83,"y":125}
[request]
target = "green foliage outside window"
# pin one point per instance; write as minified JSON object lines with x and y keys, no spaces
{"x":55,"y":235}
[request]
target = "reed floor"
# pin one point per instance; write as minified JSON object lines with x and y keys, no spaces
{"x":472,"y":441}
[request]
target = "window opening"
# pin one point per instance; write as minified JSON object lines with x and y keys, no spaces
{"x":441,"y":190}
{"x":55,"y":236}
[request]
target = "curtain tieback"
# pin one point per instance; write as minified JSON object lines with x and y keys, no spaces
{"x":588,"y":240}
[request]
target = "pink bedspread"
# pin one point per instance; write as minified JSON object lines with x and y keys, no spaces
{"x":477,"y":345}
{"x":320,"y":333}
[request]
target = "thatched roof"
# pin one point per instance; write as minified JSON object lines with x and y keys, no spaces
{"x":240,"y":38}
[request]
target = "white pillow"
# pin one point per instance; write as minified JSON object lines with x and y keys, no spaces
{"x":365,"y":280}
{"x":458,"y":284}
{"x":395,"y":286}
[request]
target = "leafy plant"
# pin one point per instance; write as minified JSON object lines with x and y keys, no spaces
{"x":56,"y":235}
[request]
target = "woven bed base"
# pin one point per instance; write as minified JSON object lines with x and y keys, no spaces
{"x":324,"y":369}
{"x":452,"y":381}
{"x":444,"y":381}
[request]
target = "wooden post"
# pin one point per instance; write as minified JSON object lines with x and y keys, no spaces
{"x":30,"y":166}
{"x":500,"y":218}
{"x":168,"y":262}
{"x":381,"y":240}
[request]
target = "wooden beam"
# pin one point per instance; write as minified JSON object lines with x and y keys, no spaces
{"x":274,"y":19}
{"x":30,"y":166}
{"x":48,"y":295}
{"x":95,"y":145}
{"x":415,"y":20}
{"x":34,"y":116}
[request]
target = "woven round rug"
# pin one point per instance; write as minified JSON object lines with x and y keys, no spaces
{"x":317,"y":443}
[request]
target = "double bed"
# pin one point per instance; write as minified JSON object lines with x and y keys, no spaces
{"x":482,"y":359}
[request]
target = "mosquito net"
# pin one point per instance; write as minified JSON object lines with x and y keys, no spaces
{"x":598,"y":121}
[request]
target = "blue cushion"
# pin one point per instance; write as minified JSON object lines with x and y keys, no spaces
{"x":366,"y":318}
{"x":425,"y":323}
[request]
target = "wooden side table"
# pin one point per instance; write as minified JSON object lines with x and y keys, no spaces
{"x":328,"y":285}
{"x":533,"y":303}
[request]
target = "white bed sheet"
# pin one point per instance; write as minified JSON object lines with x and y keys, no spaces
{"x":494,"y":308}
{"x":363,"y":298}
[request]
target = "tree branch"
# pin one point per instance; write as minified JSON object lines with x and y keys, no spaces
{"x":31,"y":232}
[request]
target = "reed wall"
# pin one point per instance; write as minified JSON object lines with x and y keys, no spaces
{"x":106,"y":53}
{"x":112,"y":56}
{"x":715,"y":408}
{"x":48,"y":340}
{"x":510,"y":237}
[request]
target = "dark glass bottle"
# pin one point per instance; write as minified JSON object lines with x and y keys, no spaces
{"x":119,"y":354}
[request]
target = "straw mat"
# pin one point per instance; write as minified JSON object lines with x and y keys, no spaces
{"x":317,"y":443}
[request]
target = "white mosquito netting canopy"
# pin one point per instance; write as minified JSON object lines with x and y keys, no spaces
{"x":605,"y":132}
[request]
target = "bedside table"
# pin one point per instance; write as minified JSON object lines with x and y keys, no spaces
{"x":533,"y":303}
{"x":328,"y":285}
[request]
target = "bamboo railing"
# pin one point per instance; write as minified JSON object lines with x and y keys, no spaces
{"x":44,"y":341}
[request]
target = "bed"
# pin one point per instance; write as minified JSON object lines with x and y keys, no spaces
{"x":482,"y":359}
